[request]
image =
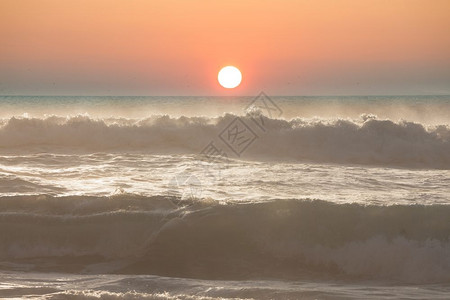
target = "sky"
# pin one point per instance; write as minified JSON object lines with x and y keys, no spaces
{"x":177,"y":47}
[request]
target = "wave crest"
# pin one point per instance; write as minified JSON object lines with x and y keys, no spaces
{"x":282,"y":239}
{"x":365,"y":141}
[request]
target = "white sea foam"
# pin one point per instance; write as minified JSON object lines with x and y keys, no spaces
{"x":365,"y":141}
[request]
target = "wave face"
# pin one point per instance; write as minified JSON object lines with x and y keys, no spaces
{"x":364,"y":141}
{"x":203,"y":239}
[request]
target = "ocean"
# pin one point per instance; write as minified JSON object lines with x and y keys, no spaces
{"x":264,"y":197}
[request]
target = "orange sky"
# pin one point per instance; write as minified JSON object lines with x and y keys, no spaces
{"x":176,"y":47}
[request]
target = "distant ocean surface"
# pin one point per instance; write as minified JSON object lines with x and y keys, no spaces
{"x":263,"y":197}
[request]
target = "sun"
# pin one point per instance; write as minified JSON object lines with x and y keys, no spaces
{"x":229,"y":77}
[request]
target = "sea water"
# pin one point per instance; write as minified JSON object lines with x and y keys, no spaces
{"x":263,"y":197}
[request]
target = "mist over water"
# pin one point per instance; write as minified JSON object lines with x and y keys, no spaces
{"x":334,"y":197}
{"x":431,"y":110}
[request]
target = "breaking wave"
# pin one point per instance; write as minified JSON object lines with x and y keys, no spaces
{"x":204,"y":239}
{"x":365,"y":141}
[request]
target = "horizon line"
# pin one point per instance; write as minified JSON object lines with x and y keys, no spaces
{"x":233,"y":96}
